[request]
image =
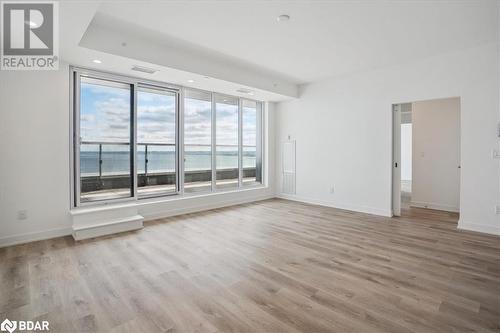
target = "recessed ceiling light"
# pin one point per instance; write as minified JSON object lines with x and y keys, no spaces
{"x":97,"y":61}
{"x":190,"y":81}
{"x":283,"y":18}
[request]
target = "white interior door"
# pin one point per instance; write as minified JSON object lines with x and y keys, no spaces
{"x":396,"y":160}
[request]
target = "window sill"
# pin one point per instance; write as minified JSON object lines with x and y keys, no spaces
{"x":133,"y":202}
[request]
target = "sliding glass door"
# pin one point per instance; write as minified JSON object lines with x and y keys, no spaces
{"x":156,"y":141}
{"x":105,"y":142}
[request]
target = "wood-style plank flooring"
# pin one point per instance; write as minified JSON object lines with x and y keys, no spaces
{"x":270,"y":266}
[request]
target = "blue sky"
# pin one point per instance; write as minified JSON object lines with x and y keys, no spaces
{"x":105,"y":116}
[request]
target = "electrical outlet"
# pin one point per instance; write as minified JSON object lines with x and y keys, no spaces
{"x":22,"y":214}
{"x":332,"y":189}
{"x":497,"y":209}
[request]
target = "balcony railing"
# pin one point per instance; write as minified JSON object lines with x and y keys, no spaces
{"x":106,"y":165}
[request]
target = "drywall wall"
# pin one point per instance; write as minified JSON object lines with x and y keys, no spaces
{"x":34,"y":167}
{"x":34,"y":150}
{"x":343,"y":128}
{"x":436,"y":154}
{"x":406,"y":151}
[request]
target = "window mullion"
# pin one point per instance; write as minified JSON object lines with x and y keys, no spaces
{"x":214,"y":144}
{"x":76,"y":138}
{"x":133,"y":142}
{"x":240,"y":142}
{"x":259,"y":148}
{"x":180,"y":142}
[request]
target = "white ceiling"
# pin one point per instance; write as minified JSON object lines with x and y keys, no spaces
{"x":322,"y":38}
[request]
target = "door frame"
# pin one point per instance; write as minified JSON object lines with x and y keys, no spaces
{"x":396,"y":155}
{"x":396,"y":160}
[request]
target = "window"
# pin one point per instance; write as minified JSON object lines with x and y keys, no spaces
{"x":156,"y":141}
{"x":105,"y":150}
{"x":227,"y":141}
{"x":197,"y":141}
{"x":252,"y":151}
{"x":133,"y":140}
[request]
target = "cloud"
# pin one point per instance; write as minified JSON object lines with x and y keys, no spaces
{"x":156,"y":124}
{"x":87,"y":118}
{"x":107,"y":115}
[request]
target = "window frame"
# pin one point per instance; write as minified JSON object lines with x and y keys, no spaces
{"x":212,"y":136}
{"x":145,"y":85}
{"x":215,"y":96}
{"x":76,"y":73}
{"x":76,"y":138}
{"x":259,"y":142}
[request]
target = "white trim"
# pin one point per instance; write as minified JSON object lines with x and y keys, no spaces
{"x":160,"y":200}
{"x":261,"y":193}
{"x":204,"y":207}
{"x":430,"y":205}
{"x":396,"y":161}
{"x":108,"y":228}
{"x":34,"y":236}
{"x":353,"y":208}
{"x":482,"y":228}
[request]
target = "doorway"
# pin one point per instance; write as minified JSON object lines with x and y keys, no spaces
{"x":426,"y":156}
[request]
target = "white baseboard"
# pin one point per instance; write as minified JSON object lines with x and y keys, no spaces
{"x":354,"y":208}
{"x":68,"y":231}
{"x":430,"y":205}
{"x":199,"y":208}
{"x":108,"y":228}
{"x":34,"y":236}
{"x":487,"y":229}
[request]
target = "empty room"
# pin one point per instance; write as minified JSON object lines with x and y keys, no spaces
{"x":250,"y":166}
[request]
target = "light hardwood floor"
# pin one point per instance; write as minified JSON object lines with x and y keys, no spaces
{"x":270,"y":266}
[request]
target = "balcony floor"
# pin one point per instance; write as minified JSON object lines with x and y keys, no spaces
{"x":158,"y":190}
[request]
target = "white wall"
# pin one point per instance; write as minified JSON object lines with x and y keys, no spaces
{"x":34,"y":160}
{"x":344,"y":136}
{"x":406,"y":151}
{"x":34,"y":152}
{"x":436,"y":154}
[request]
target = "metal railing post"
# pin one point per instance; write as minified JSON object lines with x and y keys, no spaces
{"x":100,"y":161}
{"x":146,"y":161}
